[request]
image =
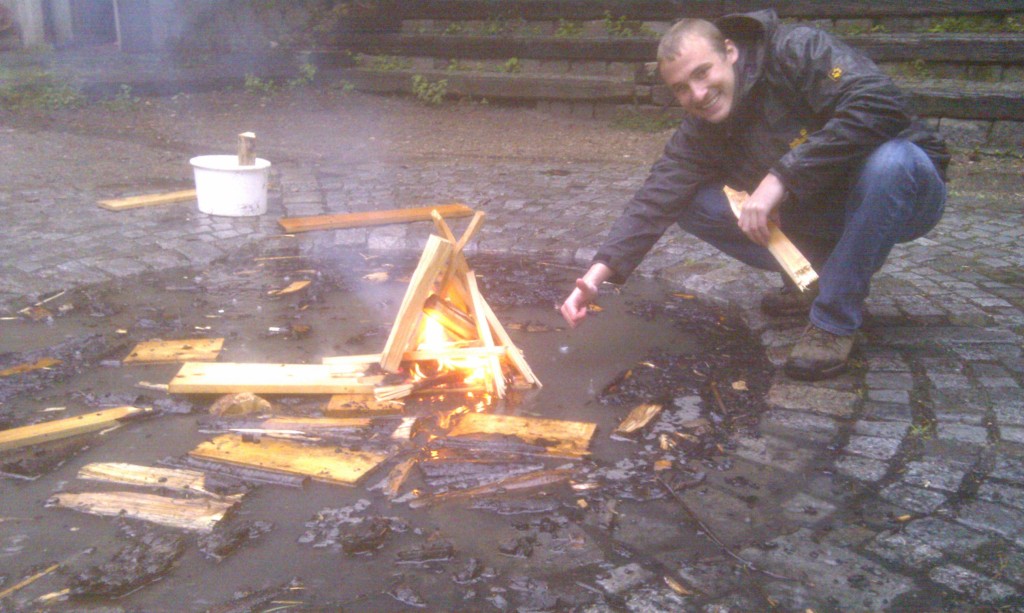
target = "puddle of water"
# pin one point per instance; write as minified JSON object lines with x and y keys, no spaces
{"x":347,"y":315}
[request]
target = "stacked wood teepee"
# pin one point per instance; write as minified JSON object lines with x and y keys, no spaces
{"x":445,"y":288}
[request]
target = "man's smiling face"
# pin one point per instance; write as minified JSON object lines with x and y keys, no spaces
{"x":703,"y":78}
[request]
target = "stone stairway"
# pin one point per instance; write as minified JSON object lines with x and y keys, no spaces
{"x":961,"y":63}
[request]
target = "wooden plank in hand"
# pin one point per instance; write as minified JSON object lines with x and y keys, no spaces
{"x":166,"y":352}
{"x":134,"y":202}
{"x":370,"y":218}
{"x":16,"y":438}
{"x":230,"y":378}
{"x":322,"y":463}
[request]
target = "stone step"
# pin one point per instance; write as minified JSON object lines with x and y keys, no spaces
{"x":932,"y":98}
{"x":929,"y":47}
{"x":498,"y":86}
{"x":658,"y":10}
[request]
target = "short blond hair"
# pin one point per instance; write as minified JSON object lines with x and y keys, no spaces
{"x":671,"y":41}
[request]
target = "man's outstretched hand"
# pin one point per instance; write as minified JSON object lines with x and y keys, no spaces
{"x":574,"y":309}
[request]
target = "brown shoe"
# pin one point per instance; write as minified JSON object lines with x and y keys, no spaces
{"x":789,"y":301}
{"x":818,"y":355}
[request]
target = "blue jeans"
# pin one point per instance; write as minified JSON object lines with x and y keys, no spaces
{"x":895,"y":197}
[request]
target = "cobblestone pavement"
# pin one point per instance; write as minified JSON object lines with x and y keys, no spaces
{"x":910,"y":468}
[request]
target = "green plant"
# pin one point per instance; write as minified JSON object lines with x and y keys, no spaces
{"x":453,"y":29}
{"x":123,"y":101}
{"x":923,"y":431}
{"x":494,"y":27}
{"x":307,"y":72}
{"x":428,"y":92}
{"x":511,"y":66}
{"x":624,"y":27}
{"x":568,"y":29}
{"x":37,"y":89}
{"x":645,"y":122}
{"x":977,"y":23}
{"x":258,"y":86}
{"x":344,"y":86}
{"x":389,"y":63}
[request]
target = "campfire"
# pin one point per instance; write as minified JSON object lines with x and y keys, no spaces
{"x":446,"y":338}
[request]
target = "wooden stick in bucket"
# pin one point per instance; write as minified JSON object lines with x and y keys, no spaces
{"x":247,"y":149}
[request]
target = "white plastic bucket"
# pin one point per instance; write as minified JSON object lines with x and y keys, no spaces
{"x":225,"y":188}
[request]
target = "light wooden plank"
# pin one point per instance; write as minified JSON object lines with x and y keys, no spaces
{"x":793,"y":263}
{"x":23,"y":368}
{"x":16,"y":438}
{"x":496,"y":382}
{"x":515,"y":355}
{"x":134,"y":202}
{"x":370,"y":218}
{"x":432,"y":261}
{"x":322,"y":463}
{"x":165,"y":352}
{"x":569,"y":438}
{"x":183,"y":480}
{"x":233,"y":377}
{"x":194,"y":514}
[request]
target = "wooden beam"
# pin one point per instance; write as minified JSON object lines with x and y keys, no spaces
{"x":565,"y":438}
{"x":166,"y":352}
{"x":793,"y":263}
{"x":515,"y":356}
{"x":370,"y":218}
{"x":454,"y":351}
{"x":194,"y":514}
{"x":496,"y":382}
{"x":134,"y":202}
{"x":229,"y":378}
{"x":246,"y":149}
{"x":322,"y":463}
{"x":16,"y":438}
{"x":432,"y":261}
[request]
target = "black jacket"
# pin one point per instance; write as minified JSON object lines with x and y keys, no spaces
{"x":809,"y":109}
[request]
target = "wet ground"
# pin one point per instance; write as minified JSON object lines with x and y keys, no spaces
{"x":547,"y":548}
{"x":897,"y":486}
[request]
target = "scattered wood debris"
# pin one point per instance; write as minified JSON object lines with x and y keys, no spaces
{"x":134,"y":202}
{"x":39,"y":364}
{"x":294,"y":286}
{"x":638,"y":418}
{"x":177,"y":480}
{"x":328,"y":464}
{"x":562,"y":438}
{"x":171,"y":351}
{"x":192,"y":514}
{"x":24,"y":436}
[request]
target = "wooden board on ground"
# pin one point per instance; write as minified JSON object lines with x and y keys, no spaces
{"x":232,"y":377}
{"x":370,"y":218}
{"x":195,"y":514}
{"x":357,"y":405}
{"x":16,"y":438}
{"x":322,"y":463}
{"x":565,"y":438}
{"x":39,"y":364}
{"x":181,"y":480}
{"x":166,"y":352}
{"x":312,"y":425}
{"x":134,"y":202}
